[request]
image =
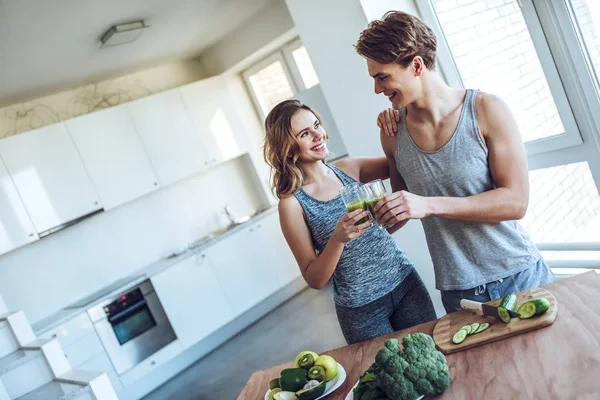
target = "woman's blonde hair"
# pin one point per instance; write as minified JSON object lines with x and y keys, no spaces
{"x":281,"y":148}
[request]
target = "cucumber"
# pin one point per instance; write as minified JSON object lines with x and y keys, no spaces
{"x":504,"y":315}
{"x":509,"y":302}
{"x":482,"y":327}
{"x":467,"y":328}
{"x":460,"y":336}
{"x":533,"y":308}
{"x":474,"y":327}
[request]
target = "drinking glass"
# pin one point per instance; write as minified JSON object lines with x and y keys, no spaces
{"x":376,"y":191}
{"x":354,"y":197}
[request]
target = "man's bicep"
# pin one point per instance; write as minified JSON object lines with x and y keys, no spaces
{"x":507,"y":156}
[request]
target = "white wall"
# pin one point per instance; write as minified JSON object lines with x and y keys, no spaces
{"x":271,"y":28}
{"x":58,"y":270}
{"x":349,"y":91}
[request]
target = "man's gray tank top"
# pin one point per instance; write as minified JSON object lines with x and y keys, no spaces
{"x":371,"y":265}
{"x":465,"y":254}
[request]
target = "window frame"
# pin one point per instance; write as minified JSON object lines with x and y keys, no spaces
{"x":292,"y":72}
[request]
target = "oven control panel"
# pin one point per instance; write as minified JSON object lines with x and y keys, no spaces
{"x":126,"y":300}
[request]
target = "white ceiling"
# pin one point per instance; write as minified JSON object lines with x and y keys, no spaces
{"x":50,"y":45}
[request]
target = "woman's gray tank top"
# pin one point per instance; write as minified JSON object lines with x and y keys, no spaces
{"x":465,"y":254}
{"x":371,"y":265}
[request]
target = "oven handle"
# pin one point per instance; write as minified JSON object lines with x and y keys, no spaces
{"x":124,"y":314}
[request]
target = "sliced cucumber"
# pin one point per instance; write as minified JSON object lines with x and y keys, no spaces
{"x":533,"y":308}
{"x":509,"y":302}
{"x":504,"y":315}
{"x":474,"y":327}
{"x":482,"y":327}
{"x":460,"y":336}
{"x":467,"y":328}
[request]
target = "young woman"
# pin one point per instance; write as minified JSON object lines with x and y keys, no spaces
{"x":376,"y":288}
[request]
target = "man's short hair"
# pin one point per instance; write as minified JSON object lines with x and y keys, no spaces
{"x":398,"y":38}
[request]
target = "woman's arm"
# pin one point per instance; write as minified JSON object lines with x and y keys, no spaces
{"x":365,"y":169}
{"x":317,"y":269}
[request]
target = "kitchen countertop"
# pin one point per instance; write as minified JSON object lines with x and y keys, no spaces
{"x":123,"y":284}
{"x":560,"y":361}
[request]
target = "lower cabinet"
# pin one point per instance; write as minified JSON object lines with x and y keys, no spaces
{"x":241,"y":269}
{"x":276,"y":252}
{"x":193,"y":299}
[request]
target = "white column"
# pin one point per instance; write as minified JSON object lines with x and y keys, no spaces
{"x":3,"y":308}
{"x":328,"y":30}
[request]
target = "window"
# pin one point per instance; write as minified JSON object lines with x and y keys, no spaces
{"x":280,"y":76}
{"x":586,"y":16}
{"x":543,"y":59}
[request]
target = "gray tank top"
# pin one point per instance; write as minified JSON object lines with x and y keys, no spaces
{"x":465,"y":254}
{"x":371,"y":265}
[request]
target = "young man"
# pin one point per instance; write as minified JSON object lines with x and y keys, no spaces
{"x":457,"y":163}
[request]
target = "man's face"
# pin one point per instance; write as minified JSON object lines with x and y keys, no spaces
{"x":397,"y":83}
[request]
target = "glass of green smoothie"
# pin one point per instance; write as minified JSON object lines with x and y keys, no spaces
{"x":376,"y":191}
{"x":354,"y":197}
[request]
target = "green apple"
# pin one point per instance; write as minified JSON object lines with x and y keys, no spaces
{"x":301,"y":354}
{"x":330,"y":365}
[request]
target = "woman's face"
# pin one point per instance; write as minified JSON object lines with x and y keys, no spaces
{"x":310,"y":135}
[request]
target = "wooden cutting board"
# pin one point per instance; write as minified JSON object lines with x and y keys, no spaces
{"x":449,"y":324}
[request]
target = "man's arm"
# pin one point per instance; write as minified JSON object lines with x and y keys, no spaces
{"x":508,"y":167}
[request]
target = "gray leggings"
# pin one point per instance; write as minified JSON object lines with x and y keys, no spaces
{"x":407,"y":305}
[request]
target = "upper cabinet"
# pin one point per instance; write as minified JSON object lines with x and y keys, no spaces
{"x":215,"y":117}
{"x":49,"y":176}
{"x":172,"y":143}
{"x":16,"y":228}
{"x":113,"y":155}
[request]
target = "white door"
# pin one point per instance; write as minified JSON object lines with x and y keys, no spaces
{"x":50,"y":176}
{"x":275,"y":250}
{"x":215,"y":118}
{"x":113,"y":155}
{"x":245,"y":279}
{"x":193,"y":299}
{"x":169,"y":136}
{"x":16,"y":228}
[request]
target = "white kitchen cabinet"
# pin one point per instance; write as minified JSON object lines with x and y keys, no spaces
{"x":49,"y":176}
{"x":193,"y":299}
{"x":166,"y":129}
{"x":276,"y":252}
{"x":113,"y":155}
{"x":241,"y":270}
{"x":215,"y":118}
{"x":16,"y":228}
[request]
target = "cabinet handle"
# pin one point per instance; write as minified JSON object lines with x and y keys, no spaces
{"x":31,"y":235}
{"x":155,"y":183}
{"x":95,"y":203}
{"x":54,"y":336}
{"x":152,"y":362}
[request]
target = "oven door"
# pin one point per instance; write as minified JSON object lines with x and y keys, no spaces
{"x":135,"y":333}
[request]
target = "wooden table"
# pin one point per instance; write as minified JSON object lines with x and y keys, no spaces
{"x":561,"y":361}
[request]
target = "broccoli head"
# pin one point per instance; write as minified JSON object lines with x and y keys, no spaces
{"x":391,"y":378}
{"x":426,"y":366}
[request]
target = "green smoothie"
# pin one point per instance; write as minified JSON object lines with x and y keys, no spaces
{"x":371,"y":205}
{"x":358,"y":205}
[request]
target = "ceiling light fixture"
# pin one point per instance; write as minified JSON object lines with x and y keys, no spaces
{"x":123,"y":33}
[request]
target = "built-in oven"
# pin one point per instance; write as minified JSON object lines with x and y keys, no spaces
{"x":132,"y":326}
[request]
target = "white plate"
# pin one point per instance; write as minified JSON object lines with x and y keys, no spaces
{"x":350,"y":395}
{"x":329,"y":386}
